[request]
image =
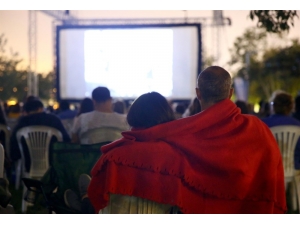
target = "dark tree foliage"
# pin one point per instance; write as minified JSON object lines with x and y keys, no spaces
{"x":274,"y":21}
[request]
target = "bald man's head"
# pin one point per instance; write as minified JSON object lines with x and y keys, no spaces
{"x":214,"y":84}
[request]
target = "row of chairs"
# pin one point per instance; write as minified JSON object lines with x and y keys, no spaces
{"x":38,"y":141}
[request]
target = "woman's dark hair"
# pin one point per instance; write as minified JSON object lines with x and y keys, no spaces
{"x":86,"y":105}
{"x":148,"y":110}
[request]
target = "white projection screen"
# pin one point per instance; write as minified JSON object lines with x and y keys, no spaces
{"x":128,"y":60}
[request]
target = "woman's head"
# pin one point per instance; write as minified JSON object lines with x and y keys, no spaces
{"x":148,"y":110}
{"x":86,"y":105}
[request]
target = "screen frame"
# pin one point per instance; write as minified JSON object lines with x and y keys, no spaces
{"x":110,"y":26}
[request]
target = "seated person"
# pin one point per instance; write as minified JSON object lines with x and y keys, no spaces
{"x":65,"y":112}
{"x":102,"y":116}
{"x":281,"y":109}
{"x":86,"y":105}
{"x":35,"y":116}
{"x":146,"y":111}
{"x":217,"y":161}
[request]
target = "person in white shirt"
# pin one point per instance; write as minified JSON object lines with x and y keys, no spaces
{"x":102,"y":116}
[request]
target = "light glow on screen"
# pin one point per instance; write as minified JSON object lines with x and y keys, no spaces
{"x":142,"y":56}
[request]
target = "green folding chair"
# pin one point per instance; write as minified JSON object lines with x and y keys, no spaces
{"x":68,"y":161}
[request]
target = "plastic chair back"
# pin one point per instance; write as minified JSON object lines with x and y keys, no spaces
{"x":101,"y":134}
{"x":287,"y":137}
{"x":37,"y":139}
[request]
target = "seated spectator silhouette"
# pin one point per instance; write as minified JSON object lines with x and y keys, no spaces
{"x":146,"y":111}
{"x":179,"y":110}
{"x":243,"y":106}
{"x":102,"y":116}
{"x":296,"y":114}
{"x":7,"y":161}
{"x":193,"y":108}
{"x":119,"y":106}
{"x":65,"y":112}
{"x":35,"y":116}
{"x":281,"y":108}
{"x":217,"y":161}
{"x":86,"y":105}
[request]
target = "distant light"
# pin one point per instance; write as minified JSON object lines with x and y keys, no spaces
{"x":1,"y":89}
{"x":11,"y":102}
{"x":51,"y":102}
{"x":55,"y":106}
{"x":15,"y":89}
{"x":54,"y":90}
{"x":256,"y":108}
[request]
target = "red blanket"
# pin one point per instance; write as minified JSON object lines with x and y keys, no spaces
{"x":218,"y":161}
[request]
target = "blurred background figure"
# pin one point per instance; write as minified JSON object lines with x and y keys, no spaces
{"x":86,"y":105}
{"x":65,"y":112}
{"x":66,"y":115}
{"x":296,"y":114}
{"x":119,"y":106}
{"x":264,"y":109}
{"x":243,"y":106}
{"x":179,"y":110}
{"x":193,"y":108}
{"x":281,"y":108}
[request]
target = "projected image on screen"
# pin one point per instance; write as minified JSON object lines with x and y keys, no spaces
{"x":129,"y":61}
{"x":139,"y":62}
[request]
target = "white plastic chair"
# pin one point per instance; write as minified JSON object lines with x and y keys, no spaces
{"x":125,"y":204}
{"x":7,"y":133}
{"x":287,"y":137}
{"x":101,"y":134}
{"x":37,"y":139}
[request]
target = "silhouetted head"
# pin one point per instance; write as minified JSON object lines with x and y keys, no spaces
{"x":64,"y":105}
{"x":243,"y":106}
{"x":214,"y":85}
{"x":119,"y":107}
{"x":101,"y":94}
{"x":148,"y":110}
{"x":33,"y":106}
{"x":283,"y":103}
{"x":86,"y":105}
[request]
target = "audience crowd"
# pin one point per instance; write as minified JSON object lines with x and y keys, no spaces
{"x":207,"y":155}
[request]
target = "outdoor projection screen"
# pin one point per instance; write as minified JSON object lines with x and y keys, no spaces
{"x":129,"y":60}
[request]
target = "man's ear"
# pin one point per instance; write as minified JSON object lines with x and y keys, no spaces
{"x":230,"y":93}
{"x":198,"y":93}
